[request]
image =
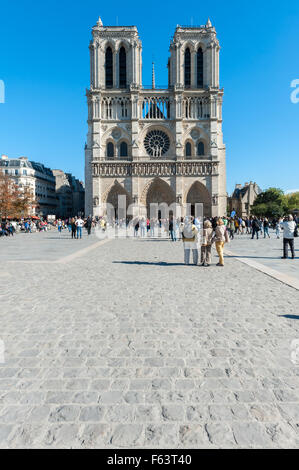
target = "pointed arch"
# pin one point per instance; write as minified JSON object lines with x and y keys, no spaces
{"x":199,"y":68}
{"x":109,"y":67}
{"x":122,"y":68}
{"x":188,"y":149}
{"x":110,"y":150}
{"x":200,"y":148}
{"x":160,"y":195}
{"x":116,"y":206}
{"x":123,"y":149}
{"x":187,"y":65}
{"x":198,"y":193}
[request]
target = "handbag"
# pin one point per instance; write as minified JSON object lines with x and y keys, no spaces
{"x":296,"y":232}
{"x":226,"y":235}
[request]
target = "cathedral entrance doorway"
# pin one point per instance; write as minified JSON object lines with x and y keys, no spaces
{"x":197,"y":194}
{"x":159,"y":198}
{"x":118,"y":201}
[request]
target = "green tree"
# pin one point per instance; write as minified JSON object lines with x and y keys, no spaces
{"x":292,"y":201}
{"x":271,"y":203}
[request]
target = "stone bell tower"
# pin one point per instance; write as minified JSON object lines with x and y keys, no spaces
{"x":149,"y":143}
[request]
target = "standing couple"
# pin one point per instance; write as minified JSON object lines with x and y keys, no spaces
{"x":190,"y":237}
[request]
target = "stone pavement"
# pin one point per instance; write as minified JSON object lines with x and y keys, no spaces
{"x":266,"y":251}
{"x":127,"y":347}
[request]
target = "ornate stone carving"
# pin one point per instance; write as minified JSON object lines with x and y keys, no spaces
{"x":215,"y":199}
{"x":166,"y":168}
{"x":116,"y":133}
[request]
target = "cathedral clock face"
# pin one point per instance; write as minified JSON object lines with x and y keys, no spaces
{"x":156,"y":143}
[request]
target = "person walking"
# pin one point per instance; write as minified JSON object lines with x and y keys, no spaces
{"x":266,"y":227}
{"x":79,"y":225}
{"x":136,"y":228}
{"x":255,"y":228}
{"x":59,"y":225}
{"x":73,"y":227}
{"x":206,"y":243}
{"x":172,"y":231}
{"x":88,"y":225}
{"x":148,"y":226}
{"x":231,"y":228}
{"x":220,"y":237}
{"x":189,"y":237}
{"x":289,"y":227}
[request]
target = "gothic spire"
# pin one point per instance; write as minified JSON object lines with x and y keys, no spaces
{"x":153,"y":76}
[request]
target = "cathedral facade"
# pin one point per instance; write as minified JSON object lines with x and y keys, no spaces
{"x":154,"y":145}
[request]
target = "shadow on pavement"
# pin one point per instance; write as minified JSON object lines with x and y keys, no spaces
{"x":150,"y":263}
{"x":292,"y":317}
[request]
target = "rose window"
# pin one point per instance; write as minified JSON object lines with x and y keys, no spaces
{"x":156,"y":143}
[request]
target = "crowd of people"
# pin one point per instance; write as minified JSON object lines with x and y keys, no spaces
{"x":198,"y":235}
{"x":10,"y":227}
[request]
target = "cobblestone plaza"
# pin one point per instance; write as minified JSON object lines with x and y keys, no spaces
{"x":116,"y":343}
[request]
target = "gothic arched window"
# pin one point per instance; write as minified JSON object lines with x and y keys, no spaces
{"x":188,"y":149}
{"x":200,"y":149}
{"x":199,"y":68}
{"x":187,"y":67}
{"x":122,"y":68}
{"x":109,"y":67}
{"x":110,"y":150}
{"x":123,"y":149}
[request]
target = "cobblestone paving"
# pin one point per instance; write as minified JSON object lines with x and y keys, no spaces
{"x":126,"y":347}
{"x":267,"y":251}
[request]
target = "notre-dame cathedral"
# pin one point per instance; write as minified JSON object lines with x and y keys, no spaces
{"x":150,"y":144}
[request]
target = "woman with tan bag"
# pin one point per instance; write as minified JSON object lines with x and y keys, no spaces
{"x":220,"y":238}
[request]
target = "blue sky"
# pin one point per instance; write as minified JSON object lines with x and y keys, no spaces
{"x":44,"y":62}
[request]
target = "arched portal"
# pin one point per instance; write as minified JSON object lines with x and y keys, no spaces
{"x":117,"y":202}
{"x":198,"y":194}
{"x":159,"y":198}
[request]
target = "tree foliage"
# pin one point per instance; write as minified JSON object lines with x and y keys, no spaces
{"x":273,"y":203}
{"x":292,"y":201}
{"x":15,"y":202}
{"x":270,"y":203}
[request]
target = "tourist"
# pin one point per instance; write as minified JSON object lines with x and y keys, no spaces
{"x":289,"y":227}
{"x":59,"y":225}
{"x":220,"y":237}
{"x":136,"y":228}
{"x":88,"y":225}
{"x":266,"y":228}
{"x":73,"y":227}
{"x":206,"y":243}
{"x":103,"y":224}
{"x":172,"y":231}
{"x":255,"y":228}
{"x":231,"y":228}
{"x":79,"y":225}
{"x":69,"y":224}
{"x":189,"y":237}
